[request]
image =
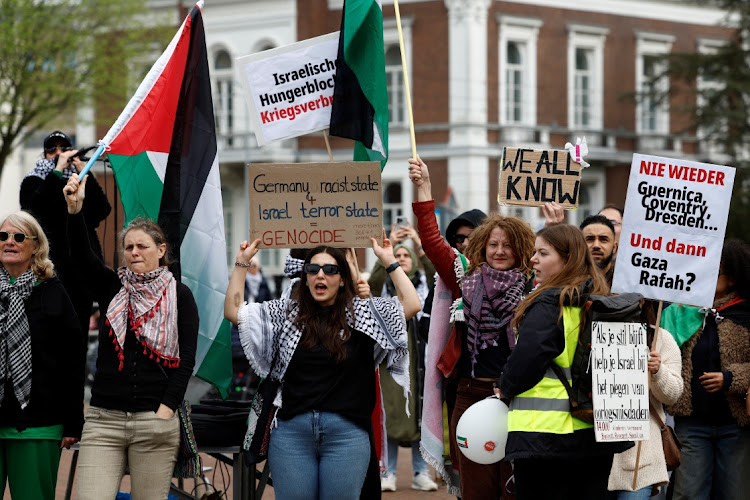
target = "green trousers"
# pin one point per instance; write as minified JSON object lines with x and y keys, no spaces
{"x":30,"y":467}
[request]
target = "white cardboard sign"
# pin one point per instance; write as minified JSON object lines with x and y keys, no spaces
{"x":673,"y":229}
{"x":619,"y":371}
{"x":290,"y":89}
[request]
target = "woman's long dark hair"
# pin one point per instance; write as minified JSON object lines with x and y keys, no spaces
{"x":330,"y":329}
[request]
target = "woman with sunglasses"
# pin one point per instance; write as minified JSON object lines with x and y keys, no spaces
{"x":490,"y":282}
{"x":323,"y":344}
{"x":147,"y":342}
{"x":41,"y":363}
{"x":41,"y":194}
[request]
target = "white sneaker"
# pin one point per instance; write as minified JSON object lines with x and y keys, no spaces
{"x":388,"y":482}
{"x":423,"y":482}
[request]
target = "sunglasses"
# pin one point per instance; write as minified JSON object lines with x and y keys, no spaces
{"x":329,"y":269}
{"x":460,"y":238}
{"x":17,"y":237}
{"x":53,"y":149}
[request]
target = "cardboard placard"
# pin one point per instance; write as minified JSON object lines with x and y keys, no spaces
{"x":531,"y":177}
{"x":303,"y":205}
{"x":290,"y":89}
{"x":673,"y":229}
{"x":619,"y":370}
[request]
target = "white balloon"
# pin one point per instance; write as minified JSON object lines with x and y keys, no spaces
{"x":482,"y":431}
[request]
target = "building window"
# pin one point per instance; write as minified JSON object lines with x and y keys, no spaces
{"x":652,"y":110}
{"x":394,"y":71}
{"x":518,"y":85}
{"x":586,"y":76}
{"x":394,"y":76}
{"x":583,"y":88}
{"x":223,"y":95}
{"x":392,"y":203}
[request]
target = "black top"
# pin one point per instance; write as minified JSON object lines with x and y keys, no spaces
{"x":143,"y":384}
{"x":57,"y":365}
{"x":714,"y":407}
{"x":314,"y":381}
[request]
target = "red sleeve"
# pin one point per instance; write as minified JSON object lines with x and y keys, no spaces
{"x":434,"y":245}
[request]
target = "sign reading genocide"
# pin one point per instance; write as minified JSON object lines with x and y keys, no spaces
{"x":290,"y":89}
{"x":303,"y":205}
{"x":534,"y":177}
{"x":619,"y":370}
{"x":673,"y":229}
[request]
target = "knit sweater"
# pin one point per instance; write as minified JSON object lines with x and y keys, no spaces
{"x":665,"y":388}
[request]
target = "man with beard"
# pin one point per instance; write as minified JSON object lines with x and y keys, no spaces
{"x":600,"y":238}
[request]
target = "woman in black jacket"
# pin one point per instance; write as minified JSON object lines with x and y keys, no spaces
{"x":555,"y":455}
{"x":41,"y":363}
{"x":146,"y":354}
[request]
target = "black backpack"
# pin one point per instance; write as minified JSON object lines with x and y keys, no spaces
{"x":625,"y":308}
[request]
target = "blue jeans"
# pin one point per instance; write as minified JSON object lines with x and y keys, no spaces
{"x":713,"y":461}
{"x":642,"y":494}
{"x":417,"y":462}
{"x":318,"y":455}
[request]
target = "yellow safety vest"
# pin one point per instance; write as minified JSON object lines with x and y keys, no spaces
{"x":546,"y":407}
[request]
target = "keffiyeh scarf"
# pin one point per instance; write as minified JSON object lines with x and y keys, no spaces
{"x":293,"y":267}
{"x":15,"y":337}
{"x":147,"y":303}
{"x":489,"y":298}
{"x":45,"y":166}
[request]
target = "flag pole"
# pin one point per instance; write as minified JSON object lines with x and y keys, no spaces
{"x":406,"y":80}
{"x":328,"y":144}
{"x":91,"y":161}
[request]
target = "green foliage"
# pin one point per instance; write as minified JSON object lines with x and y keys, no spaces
{"x":60,"y":54}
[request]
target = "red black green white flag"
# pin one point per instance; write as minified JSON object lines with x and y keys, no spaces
{"x":360,"y":96}
{"x":164,"y":157}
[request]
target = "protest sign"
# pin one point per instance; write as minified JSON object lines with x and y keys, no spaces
{"x":534,"y":177}
{"x":673,"y":229}
{"x":619,"y":370}
{"x":290,"y":89}
{"x":303,"y":205}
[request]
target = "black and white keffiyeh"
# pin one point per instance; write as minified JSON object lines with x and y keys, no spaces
{"x":45,"y":166}
{"x":293,"y":267}
{"x":267,"y":332}
{"x":15,"y":337}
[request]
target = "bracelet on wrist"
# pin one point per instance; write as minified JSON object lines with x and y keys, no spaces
{"x":242,"y":264}
{"x":392,"y":267}
{"x":418,"y":248}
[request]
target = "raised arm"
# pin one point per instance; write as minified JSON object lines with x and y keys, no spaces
{"x":405,"y":290}
{"x":236,"y":289}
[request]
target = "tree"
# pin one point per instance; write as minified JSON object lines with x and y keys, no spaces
{"x":61,"y":54}
{"x":719,"y":107}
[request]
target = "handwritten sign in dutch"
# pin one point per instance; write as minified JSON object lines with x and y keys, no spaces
{"x":619,"y":362}
{"x":673,"y":229}
{"x":303,"y":205}
{"x":290,"y":88}
{"x":531,"y":177}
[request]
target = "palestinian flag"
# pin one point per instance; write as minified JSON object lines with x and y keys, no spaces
{"x":360,"y":98}
{"x":163,"y":154}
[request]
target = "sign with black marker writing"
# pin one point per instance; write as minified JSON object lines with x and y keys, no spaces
{"x":619,"y":371}
{"x":303,"y":205}
{"x":673,"y":229}
{"x":531,"y":177}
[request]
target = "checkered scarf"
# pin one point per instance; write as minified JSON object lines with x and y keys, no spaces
{"x":15,"y":337}
{"x":490,"y":296}
{"x":45,"y":166}
{"x":149,"y":302}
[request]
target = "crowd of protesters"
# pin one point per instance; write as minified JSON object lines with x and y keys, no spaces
{"x":336,"y":343}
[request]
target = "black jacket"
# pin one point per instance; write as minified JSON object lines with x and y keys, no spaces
{"x":57,"y":365}
{"x":540,"y":340}
{"x":143,"y":384}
